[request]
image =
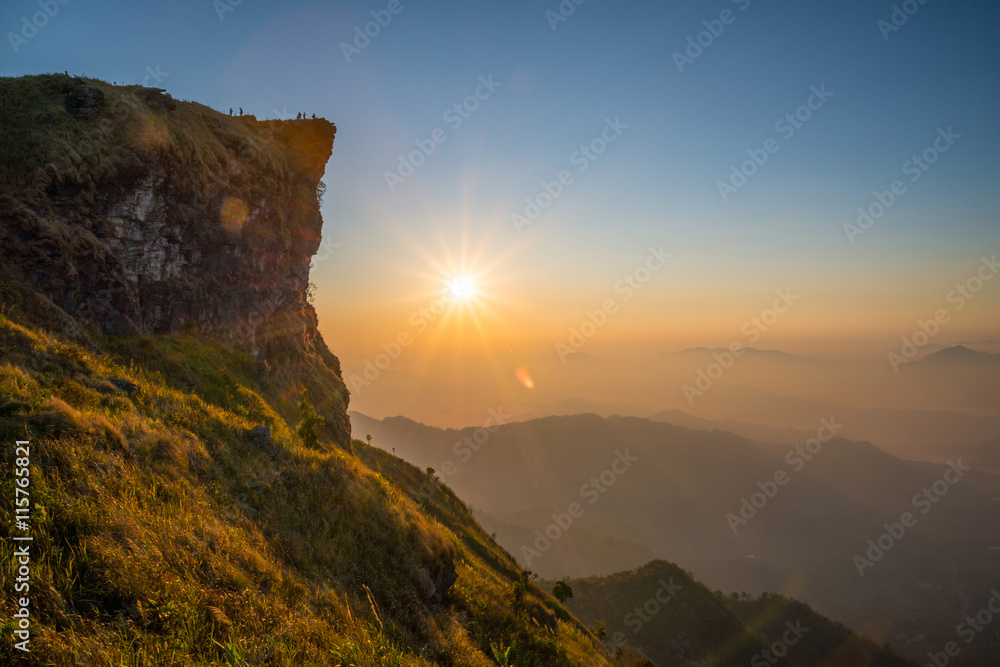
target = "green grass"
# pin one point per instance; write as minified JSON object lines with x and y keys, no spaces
{"x":162,"y":537}
{"x":42,"y":144}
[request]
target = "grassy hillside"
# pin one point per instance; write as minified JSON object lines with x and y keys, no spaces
{"x":40,"y":144}
{"x":662,"y":611}
{"x":672,"y":619}
{"x":163,"y":535}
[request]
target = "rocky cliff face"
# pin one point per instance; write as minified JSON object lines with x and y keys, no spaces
{"x":142,"y":215}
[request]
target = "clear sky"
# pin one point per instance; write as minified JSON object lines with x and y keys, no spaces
{"x":673,"y":128}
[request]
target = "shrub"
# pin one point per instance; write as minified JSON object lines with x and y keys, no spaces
{"x":309,"y":428}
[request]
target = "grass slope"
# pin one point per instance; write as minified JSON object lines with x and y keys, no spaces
{"x":163,"y":536}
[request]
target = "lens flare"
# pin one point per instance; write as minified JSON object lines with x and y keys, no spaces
{"x":233,"y":214}
{"x":525,"y":378}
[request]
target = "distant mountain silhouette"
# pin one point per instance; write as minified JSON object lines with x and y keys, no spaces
{"x":746,"y":351}
{"x":960,"y":354}
{"x":579,"y":553}
{"x":673,"y":634}
{"x":676,"y":500}
{"x":884,"y":426}
{"x":984,"y":455}
{"x":748,"y":430}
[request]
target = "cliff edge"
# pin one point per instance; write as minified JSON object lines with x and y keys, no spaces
{"x":140,"y":214}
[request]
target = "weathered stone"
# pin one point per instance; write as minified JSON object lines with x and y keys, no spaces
{"x":125,"y":386}
{"x":259,"y":436}
{"x":143,"y":249}
{"x":442,"y":576}
{"x":82,"y":101}
{"x":157,"y":98}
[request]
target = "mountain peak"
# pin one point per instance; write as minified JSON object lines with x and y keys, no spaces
{"x":960,"y":354}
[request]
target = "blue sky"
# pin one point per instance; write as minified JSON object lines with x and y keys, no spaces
{"x":656,"y":184}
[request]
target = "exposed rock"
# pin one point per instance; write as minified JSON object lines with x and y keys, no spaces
{"x":146,"y":237}
{"x":82,"y":101}
{"x":125,"y":386}
{"x":442,"y":577}
{"x":259,"y":436}
{"x":545,"y":619}
{"x":157,"y":98}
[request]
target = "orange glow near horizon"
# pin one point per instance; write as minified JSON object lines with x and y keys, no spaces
{"x":484,"y":317}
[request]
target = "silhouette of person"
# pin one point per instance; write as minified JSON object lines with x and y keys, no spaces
{"x":241,"y":111}
{"x":230,"y":111}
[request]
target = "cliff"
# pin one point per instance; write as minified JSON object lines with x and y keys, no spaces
{"x":128,"y":210}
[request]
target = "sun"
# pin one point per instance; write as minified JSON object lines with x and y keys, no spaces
{"x":461,"y":287}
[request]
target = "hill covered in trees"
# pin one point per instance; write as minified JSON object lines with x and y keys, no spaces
{"x":672,"y":619}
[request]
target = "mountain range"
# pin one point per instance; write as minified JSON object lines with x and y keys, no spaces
{"x":692,"y":496}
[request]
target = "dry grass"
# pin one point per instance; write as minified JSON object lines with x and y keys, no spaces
{"x":164,"y":538}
